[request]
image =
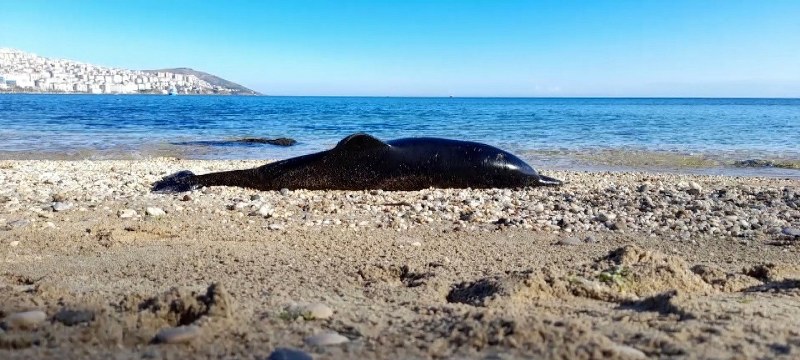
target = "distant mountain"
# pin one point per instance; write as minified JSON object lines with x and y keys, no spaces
{"x":211,"y":79}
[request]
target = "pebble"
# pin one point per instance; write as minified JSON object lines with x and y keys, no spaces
{"x":265,"y":211}
{"x":14,"y":243}
{"x":570,"y":241}
{"x":74,"y":317}
{"x":59,"y":198}
{"x":694,"y":188}
{"x":325,"y":339}
{"x":154,"y":211}
{"x":590,"y":240}
{"x":18,"y":223}
{"x":255,"y":197}
{"x":791,"y":231}
{"x":61,"y":206}
{"x":284,"y":191}
{"x":127,"y":213}
{"x":629,"y":352}
{"x":315,"y":311}
{"x":25,"y":320}
{"x":288,"y":354}
{"x":176,"y":335}
{"x":275,"y":227}
{"x":603,"y":217}
{"x":186,"y":197}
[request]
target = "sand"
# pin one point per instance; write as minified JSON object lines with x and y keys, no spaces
{"x":611,"y":265}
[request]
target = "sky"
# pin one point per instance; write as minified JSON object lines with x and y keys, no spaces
{"x":558,"y":48}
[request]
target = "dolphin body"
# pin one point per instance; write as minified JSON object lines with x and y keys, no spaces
{"x":363,"y":162}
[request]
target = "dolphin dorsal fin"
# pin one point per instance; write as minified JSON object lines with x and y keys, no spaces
{"x":360,"y":141}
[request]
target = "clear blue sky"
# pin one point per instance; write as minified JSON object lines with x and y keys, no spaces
{"x":434,"y":48}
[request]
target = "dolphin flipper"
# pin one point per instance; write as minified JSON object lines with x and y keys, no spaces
{"x":178,"y":182}
{"x":548,"y":181}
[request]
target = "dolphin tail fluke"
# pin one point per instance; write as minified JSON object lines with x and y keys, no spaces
{"x":548,"y":181}
{"x":178,"y":182}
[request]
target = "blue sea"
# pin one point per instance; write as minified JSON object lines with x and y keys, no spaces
{"x":545,"y":131}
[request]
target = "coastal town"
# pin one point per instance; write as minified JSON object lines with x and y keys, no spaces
{"x":26,"y":72}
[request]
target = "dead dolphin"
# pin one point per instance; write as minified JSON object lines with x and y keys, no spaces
{"x":361,"y":162}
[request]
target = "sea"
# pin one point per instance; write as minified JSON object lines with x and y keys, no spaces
{"x":598,"y":134}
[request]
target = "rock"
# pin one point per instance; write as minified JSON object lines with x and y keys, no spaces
{"x":14,"y":243}
{"x":18,"y":224}
{"x":694,"y":188}
{"x":25,"y":320}
{"x":186,"y":197}
{"x":617,"y":225}
{"x":176,"y":335}
{"x":4,"y":199}
{"x":275,"y":227}
{"x":315,"y":311}
{"x":325,"y":339}
{"x":255,"y":197}
{"x":791,"y":231}
{"x":538,"y":208}
{"x":59,"y":197}
{"x":126,"y":213}
{"x":74,"y":317}
{"x":288,"y":354}
{"x":603,"y":217}
{"x":154,"y":211}
{"x":590,"y":240}
{"x":265,"y":211}
{"x":279,"y":141}
{"x":61,"y":206}
{"x":628,"y":352}
{"x":643,"y":188}
{"x":284,"y":191}
{"x":570,"y":241}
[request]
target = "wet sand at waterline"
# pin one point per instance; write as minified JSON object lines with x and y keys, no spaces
{"x":611,"y":265}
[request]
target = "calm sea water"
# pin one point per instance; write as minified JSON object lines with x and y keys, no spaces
{"x":123,"y":126}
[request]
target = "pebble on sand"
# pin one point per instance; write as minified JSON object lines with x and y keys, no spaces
{"x":176,"y":335}
{"x":127,"y":213}
{"x":61,"y":206}
{"x":154,"y":211}
{"x":311,"y":311}
{"x":25,"y":320}
{"x":73,"y":317}
{"x":791,"y":231}
{"x":288,"y":354}
{"x":325,"y":339}
{"x":570,"y":241}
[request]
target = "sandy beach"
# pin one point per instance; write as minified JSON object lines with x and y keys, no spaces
{"x":611,"y":265}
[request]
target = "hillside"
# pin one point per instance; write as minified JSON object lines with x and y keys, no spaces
{"x":211,"y":79}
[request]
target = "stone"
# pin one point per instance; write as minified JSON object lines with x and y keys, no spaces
{"x":570,"y":241}
{"x":603,"y":217}
{"x":314,"y":311}
{"x":791,"y":231}
{"x":61,"y":206}
{"x":177,"y":335}
{"x":617,"y":225}
{"x":59,"y":197}
{"x":255,"y":197}
{"x":694,"y":188}
{"x":628,"y":352}
{"x":186,"y":197}
{"x":126,"y":213}
{"x":275,"y":227}
{"x":18,"y":223}
{"x":74,"y":317}
{"x":154,"y":211}
{"x":284,"y":191}
{"x":14,"y":243}
{"x":326,"y":339}
{"x":265,"y":211}
{"x":25,"y":320}
{"x":590,"y":240}
{"x":288,"y":354}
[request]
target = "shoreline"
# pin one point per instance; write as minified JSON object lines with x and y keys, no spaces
{"x":612,"y":265}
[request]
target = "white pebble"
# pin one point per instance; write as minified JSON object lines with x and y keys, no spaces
{"x":154,"y":211}
{"x":325,"y":339}
{"x":127,"y":213}
{"x":25,"y":320}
